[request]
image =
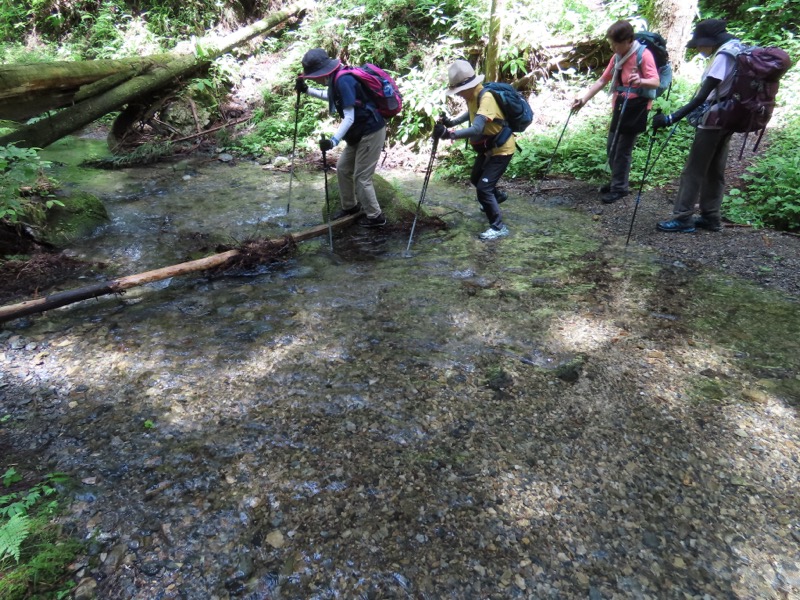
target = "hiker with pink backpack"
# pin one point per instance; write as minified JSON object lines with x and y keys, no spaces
{"x":363,"y":110}
{"x":737,"y":94}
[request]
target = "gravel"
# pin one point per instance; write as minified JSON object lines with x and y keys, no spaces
{"x":310,"y":439}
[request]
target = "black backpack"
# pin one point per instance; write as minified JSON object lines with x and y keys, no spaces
{"x":517,"y":111}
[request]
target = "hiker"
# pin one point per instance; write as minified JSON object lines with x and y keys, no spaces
{"x":703,"y":174}
{"x":494,"y":143}
{"x":362,"y":127}
{"x":630,"y":109}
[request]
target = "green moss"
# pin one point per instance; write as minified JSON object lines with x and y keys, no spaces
{"x":394,"y":202}
{"x":81,"y":214}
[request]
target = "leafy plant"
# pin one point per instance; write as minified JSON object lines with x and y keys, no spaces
{"x":771,"y":183}
{"x":33,"y":553}
{"x":21,"y":175}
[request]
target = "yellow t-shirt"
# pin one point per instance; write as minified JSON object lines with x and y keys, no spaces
{"x":491,"y":111}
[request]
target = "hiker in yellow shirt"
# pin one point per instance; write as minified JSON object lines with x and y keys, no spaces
{"x":488,"y":134}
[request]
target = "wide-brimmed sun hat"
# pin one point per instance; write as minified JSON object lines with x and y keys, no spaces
{"x":317,"y":63}
{"x":710,"y":32}
{"x":461,"y":76}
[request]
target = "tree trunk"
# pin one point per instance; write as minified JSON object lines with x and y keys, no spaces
{"x":117,"y":286}
{"x":674,"y":22}
{"x":491,"y":67}
{"x":52,"y":128}
{"x":29,"y":90}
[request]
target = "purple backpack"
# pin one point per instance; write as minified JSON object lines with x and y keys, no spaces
{"x":380,"y":87}
{"x":756,"y":79}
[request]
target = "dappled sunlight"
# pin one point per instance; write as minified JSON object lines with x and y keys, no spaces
{"x":579,"y":333}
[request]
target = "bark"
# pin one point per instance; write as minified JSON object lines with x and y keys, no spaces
{"x":117,"y":286}
{"x":492,"y":67}
{"x":29,"y":90}
{"x":673,"y":20}
{"x":52,"y":128}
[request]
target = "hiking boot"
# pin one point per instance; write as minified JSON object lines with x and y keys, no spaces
{"x":675,"y":226}
{"x":703,"y":223}
{"x":378,"y":221}
{"x":346,"y":212}
{"x":493,"y":234}
{"x":605,"y":188}
{"x":612,"y":197}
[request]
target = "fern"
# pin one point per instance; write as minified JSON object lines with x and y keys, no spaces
{"x":12,"y":534}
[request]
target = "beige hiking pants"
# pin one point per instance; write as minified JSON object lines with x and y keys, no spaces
{"x":355,"y":168}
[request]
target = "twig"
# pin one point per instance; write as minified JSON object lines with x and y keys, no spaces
{"x":212,"y":130}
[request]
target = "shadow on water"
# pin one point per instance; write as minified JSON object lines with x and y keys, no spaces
{"x":513,"y":418}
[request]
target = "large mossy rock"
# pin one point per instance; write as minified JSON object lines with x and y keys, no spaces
{"x":80,"y":217}
{"x":395,"y":204}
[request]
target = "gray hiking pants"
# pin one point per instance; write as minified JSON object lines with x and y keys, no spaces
{"x":355,"y":168}
{"x":620,"y":154}
{"x":703,"y":177}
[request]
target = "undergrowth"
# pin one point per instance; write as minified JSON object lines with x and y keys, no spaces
{"x":34,"y":552}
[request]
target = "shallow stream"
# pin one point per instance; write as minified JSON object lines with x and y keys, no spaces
{"x":512,"y":419}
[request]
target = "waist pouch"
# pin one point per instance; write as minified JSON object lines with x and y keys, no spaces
{"x":483,"y":144}
{"x":489,"y":142}
{"x":634,"y":119}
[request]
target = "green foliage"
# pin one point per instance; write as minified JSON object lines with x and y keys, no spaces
{"x":21,"y":168}
{"x":423,"y":100}
{"x":771,"y":184}
{"x":33,"y":553}
{"x":272,"y":130}
{"x":12,"y":534}
{"x":11,"y":476}
{"x":762,"y":22}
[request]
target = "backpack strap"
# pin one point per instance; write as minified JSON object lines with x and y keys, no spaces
{"x":639,"y":55}
{"x":363,"y":99}
{"x":499,"y":106}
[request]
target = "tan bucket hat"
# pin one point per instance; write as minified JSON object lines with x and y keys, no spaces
{"x":461,"y":76}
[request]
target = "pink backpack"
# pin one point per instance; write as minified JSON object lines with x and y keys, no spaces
{"x":380,"y":87}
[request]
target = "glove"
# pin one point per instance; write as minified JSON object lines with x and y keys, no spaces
{"x":441,"y":132}
{"x":326,"y":144}
{"x":660,"y":121}
{"x":448,"y":122}
{"x":300,"y":85}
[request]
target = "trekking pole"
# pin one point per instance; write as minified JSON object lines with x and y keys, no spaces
{"x":661,"y":149}
{"x":641,"y":185}
{"x":327,"y":195}
{"x":422,"y":194}
{"x":294,"y":146}
{"x":538,"y":187}
{"x":646,"y":173}
{"x":613,"y":148}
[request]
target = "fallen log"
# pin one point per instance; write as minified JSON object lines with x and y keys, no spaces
{"x":52,"y":128}
{"x":30,"y":89}
{"x":117,"y":286}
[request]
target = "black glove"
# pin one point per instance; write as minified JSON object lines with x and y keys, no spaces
{"x":660,"y":121}
{"x":326,"y":144}
{"x":448,"y":122}
{"x":440,"y":132}
{"x":300,"y":85}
